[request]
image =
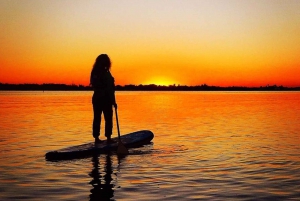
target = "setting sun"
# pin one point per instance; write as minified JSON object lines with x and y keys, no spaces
{"x":162,"y":81}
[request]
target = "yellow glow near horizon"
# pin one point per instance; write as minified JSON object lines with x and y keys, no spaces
{"x":162,"y":81}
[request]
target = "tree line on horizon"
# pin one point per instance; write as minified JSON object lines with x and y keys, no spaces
{"x":149,"y":87}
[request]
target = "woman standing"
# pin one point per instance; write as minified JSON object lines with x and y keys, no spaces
{"x":103,"y":99}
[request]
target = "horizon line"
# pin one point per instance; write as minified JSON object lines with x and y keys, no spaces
{"x":158,"y":85}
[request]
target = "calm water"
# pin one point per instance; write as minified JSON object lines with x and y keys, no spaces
{"x":207,"y":146}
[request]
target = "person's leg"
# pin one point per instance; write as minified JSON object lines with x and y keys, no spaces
{"x":97,"y":119}
{"x":108,"y":116}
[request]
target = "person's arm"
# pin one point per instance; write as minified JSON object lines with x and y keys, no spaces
{"x":113,"y":94}
{"x":110,"y":88}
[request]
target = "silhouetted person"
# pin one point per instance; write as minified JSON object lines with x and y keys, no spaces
{"x":103,"y":99}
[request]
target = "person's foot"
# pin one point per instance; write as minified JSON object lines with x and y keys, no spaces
{"x":97,"y":141}
{"x":110,"y":141}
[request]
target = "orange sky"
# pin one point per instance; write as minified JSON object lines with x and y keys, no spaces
{"x":188,"y":42}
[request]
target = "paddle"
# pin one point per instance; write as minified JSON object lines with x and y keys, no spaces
{"x":121,"y":147}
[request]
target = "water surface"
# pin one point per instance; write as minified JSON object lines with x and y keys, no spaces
{"x":207,"y":146}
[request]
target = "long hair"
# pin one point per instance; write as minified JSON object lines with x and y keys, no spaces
{"x":101,"y":65}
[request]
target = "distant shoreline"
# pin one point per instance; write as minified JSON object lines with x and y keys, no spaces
{"x":150,"y":87}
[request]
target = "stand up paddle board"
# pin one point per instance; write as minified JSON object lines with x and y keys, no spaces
{"x":130,"y":140}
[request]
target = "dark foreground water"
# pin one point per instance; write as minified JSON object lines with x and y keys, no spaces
{"x":207,"y":146}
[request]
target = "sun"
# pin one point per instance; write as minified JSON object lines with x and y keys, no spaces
{"x":162,"y":81}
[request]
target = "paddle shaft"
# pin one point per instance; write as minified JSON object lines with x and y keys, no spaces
{"x":121,"y":148}
{"x":118,"y":124}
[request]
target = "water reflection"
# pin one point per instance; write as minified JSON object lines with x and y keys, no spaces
{"x":103,"y":188}
{"x":247,"y":142}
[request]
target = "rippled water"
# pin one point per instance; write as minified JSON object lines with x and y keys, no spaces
{"x":207,"y":146}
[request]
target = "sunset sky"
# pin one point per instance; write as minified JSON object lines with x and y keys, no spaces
{"x":186,"y":42}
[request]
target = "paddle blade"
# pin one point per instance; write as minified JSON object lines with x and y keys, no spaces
{"x":122,"y":149}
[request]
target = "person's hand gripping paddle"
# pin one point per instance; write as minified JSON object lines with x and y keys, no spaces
{"x":121,"y":147}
